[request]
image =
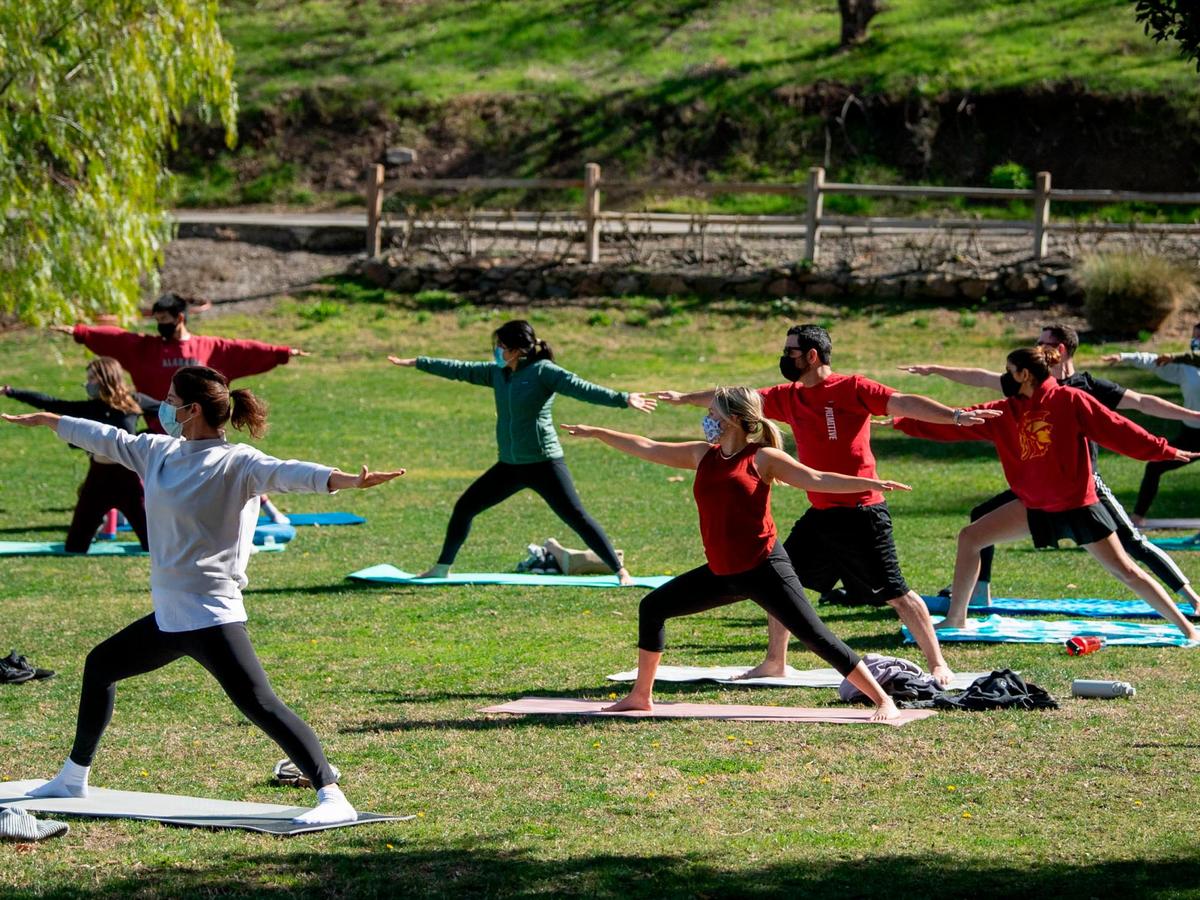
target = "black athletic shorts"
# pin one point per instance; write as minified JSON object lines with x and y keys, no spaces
{"x":1085,"y":525}
{"x":850,"y":543}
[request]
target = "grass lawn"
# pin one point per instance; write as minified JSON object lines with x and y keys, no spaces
{"x":1095,"y":798}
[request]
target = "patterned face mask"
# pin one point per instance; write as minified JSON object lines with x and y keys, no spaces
{"x":712,"y":429}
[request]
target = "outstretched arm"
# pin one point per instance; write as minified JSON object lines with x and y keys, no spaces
{"x":982,"y":378}
{"x":684,"y":455}
{"x":923,"y":409}
{"x":339,"y":480}
{"x":776,"y":465}
{"x":695,"y":398}
{"x":1157,"y":407}
{"x":478,"y":373}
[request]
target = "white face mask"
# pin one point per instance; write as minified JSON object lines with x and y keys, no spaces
{"x":170,"y":424}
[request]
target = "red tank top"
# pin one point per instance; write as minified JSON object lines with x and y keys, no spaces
{"x":735,"y":511}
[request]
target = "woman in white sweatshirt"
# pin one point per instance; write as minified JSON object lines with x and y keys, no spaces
{"x":201,"y":506}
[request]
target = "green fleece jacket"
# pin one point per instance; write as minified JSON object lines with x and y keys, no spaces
{"x":524,"y":424}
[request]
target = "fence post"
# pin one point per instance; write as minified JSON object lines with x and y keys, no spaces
{"x":812,"y":212}
{"x":1041,"y":214}
{"x":374,"y":208}
{"x":591,"y":210}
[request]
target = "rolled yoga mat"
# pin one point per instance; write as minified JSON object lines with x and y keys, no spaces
{"x":810,"y":678}
{"x":386,"y":574}
{"x":1002,"y":629}
{"x":1068,"y":606}
{"x":171,"y":809}
{"x":99,"y":548}
{"x":569,"y":706}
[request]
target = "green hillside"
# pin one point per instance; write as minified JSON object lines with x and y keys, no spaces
{"x":395,"y":51}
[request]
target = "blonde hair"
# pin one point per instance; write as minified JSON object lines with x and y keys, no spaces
{"x":110,"y":379}
{"x":744,"y":406}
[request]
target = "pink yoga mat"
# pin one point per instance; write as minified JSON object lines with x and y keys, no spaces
{"x":568,"y":706}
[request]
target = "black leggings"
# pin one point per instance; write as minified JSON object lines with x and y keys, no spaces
{"x":106,"y":486}
{"x":225,"y":651}
{"x":1186,"y":439}
{"x":1135,"y":543}
{"x":551,"y":481}
{"x":772,"y":584}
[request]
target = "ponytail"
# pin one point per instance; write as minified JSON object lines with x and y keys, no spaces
{"x":1035,"y":360}
{"x":248,"y":412}
{"x":519,"y":335}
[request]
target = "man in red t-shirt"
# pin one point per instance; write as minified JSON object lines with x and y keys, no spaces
{"x":152,"y":360}
{"x":846,"y":537}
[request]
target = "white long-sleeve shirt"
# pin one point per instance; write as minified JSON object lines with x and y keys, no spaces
{"x":201,"y":511}
{"x":1187,"y":377}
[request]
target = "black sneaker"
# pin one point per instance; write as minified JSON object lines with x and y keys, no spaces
{"x":14,"y":670}
{"x":20,"y":664}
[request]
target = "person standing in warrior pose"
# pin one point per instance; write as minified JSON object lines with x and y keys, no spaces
{"x":736,"y":464}
{"x":202,"y":505}
{"x":525,"y":381}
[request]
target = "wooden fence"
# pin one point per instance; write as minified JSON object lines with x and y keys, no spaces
{"x":814,"y":191}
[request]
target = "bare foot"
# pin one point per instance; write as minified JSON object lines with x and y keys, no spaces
{"x":625,"y":578}
{"x":885,"y":711}
{"x":765,"y":669}
{"x":438,"y":570}
{"x":942,"y":675}
{"x":948,"y":623}
{"x":644,"y":704}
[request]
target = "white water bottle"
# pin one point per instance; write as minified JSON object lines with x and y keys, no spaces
{"x":1082,"y":687}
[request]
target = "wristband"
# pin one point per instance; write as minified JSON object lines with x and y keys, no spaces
{"x":957,"y":415}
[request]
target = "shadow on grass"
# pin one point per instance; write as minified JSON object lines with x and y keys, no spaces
{"x":369,"y":869}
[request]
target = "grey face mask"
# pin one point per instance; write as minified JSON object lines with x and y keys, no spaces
{"x":93,"y":390}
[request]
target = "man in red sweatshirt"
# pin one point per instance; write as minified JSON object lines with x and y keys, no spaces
{"x":151,"y":360}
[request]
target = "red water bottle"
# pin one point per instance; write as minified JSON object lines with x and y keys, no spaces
{"x":1086,"y":643}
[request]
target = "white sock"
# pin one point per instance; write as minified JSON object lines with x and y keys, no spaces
{"x":332,"y":807}
{"x":71,"y":781}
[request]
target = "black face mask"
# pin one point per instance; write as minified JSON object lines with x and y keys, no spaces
{"x":167,"y":329}
{"x":788,"y":368}
{"x":1009,"y":385}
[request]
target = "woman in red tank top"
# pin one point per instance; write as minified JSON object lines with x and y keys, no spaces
{"x":735,"y":467}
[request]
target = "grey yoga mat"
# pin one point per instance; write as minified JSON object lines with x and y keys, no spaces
{"x":811,"y":678}
{"x":386,"y":574}
{"x":171,"y":809}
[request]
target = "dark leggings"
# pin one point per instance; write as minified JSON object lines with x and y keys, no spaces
{"x":772,"y":584}
{"x":551,"y":481}
{"x":106,"y":486}
{"x":1134,"y":542}
{"x":225,"y":651}
{"x":1186,"y":439}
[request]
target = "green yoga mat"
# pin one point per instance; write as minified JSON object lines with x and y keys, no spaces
{"x":1192,"y":542}
{"x":100,"y":548}
{"x":386,"y":574}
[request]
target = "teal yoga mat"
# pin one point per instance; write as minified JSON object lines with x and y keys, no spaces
{"x":320,"y":518}
{"x":1192,"y":542}
{"x":386,"y":574}
{"x":1004,"y":630}
{"x":100,"y":548}
{"x":1066,"y":606}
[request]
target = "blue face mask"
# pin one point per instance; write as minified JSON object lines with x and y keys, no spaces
{"x":712,"y":429}
{"x":498,"y":356}
{"x":170,"y":424}
{"x":1196,"y":345}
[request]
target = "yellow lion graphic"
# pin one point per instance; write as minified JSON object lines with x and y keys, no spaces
{"x":1034,"y":433}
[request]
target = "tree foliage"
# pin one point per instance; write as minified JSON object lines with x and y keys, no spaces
{"x":1173,"y":20}
{"x":91,"y":94}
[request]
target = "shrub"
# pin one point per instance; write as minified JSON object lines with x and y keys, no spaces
{"x":320,"y":311}
{"x":436,"y":300}
{"x":1010,"y":175}
{"x":1129,"y":293}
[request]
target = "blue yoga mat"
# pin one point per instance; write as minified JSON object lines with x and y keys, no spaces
{"x":386,"y":574}
{"x":1178,"y":543}
{"x":1005,"y":630}
{"x":1067,"y":606}
{"x":324,"y":518}
{"x":99,"y":548}
{"x":273,"y":534}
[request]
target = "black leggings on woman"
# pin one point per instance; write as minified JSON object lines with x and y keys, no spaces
{"x":106,"y":486}
{"x":1185,"y":439}
{"x":772,"y":584}
{"x":225,"y":651}
{"x":551,"y":481}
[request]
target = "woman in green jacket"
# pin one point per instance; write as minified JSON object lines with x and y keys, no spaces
{"x":525,"y":380}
